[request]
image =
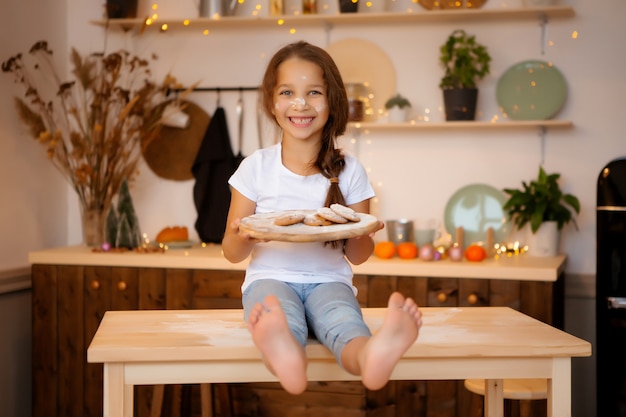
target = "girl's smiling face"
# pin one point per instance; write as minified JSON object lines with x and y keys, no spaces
{"x":300,"y":101}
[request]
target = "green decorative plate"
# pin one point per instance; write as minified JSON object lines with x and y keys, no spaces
{"x":476,"y":208}
{"x":531,"y":90}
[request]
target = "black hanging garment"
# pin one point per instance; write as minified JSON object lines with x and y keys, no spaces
{"x":214,"y":165}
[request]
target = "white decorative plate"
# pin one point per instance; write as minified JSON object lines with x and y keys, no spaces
{"x":476,"y":208}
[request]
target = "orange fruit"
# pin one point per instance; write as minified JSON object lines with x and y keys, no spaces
{"x":475,"y":253}
{"x":407,"y":250}
{"x":385,"y":249}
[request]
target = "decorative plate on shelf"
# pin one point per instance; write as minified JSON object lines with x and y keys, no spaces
{"x":531,"y":90}
{"x":476,"y":208}
{"x":363,"y":62}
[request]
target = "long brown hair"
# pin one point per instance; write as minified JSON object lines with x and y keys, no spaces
{"x":330,"y":160}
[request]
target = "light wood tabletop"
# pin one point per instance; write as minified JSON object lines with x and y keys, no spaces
{"x":211,"y":346}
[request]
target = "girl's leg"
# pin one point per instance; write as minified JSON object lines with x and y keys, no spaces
{"x":273,"y":310}
{"x":336,"y":318}
{"x":377,"y":357}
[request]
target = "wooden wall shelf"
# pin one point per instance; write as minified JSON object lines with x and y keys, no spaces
{"x":268,"y":22}
{"x":465,"y":125}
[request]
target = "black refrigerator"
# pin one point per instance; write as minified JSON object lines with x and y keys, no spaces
{"x":611,"y":289}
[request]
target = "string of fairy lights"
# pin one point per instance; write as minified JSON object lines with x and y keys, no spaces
{"x":256,"y":11}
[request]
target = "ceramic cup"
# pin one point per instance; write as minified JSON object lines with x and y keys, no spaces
{"x":425,"y":231}
{"x":328,"y":7}
{"x":255,"y":8}
{"x":371,"y":6}
{"x":403,"y":6}
{"x":292,"y":7}
{"x":400,"y":230}
{"x":537,"y":3}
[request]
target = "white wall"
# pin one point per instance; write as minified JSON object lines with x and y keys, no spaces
{"x":34,"y":197}
{"x":437,"y":163}
{"x":415,"y":172}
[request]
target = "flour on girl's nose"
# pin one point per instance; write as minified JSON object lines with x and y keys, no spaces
{"x":298,"y":101}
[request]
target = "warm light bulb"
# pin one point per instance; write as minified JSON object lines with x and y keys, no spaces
{"x":292,"y":31}
{"x":281,"y":22}
{"x":164,"y":27}
{"x":186,"y":22}
{"x":205,"y":32}
{"x":155,"y":6}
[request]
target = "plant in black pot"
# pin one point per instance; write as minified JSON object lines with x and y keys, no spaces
{"x":543,"y":206}
{"x":465,"y":62}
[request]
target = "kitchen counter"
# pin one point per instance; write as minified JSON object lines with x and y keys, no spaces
{"x":522,"y":267}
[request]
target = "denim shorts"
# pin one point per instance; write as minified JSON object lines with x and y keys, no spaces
{"x":329,"y":310}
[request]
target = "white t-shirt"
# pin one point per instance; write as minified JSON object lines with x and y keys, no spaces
{"x":264,"y":179}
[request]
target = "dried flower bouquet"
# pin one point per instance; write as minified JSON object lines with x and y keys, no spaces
{"x":93,"y":126}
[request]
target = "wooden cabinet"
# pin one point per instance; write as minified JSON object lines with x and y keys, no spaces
{"x":69,"y":301}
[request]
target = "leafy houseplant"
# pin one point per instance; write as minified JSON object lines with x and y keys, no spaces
{"x":91,"y":127}
{"x":397,"y":101}
{"x":465,"y":62}
{"x":540,"y":201}
{"x":397,"y":108}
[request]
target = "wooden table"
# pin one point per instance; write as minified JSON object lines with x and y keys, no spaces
{"x":213,"y":346}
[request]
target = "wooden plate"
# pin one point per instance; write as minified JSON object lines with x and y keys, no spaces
{"x":261,"y":226}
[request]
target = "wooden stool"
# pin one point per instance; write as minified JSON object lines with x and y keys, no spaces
{"x":514,"y":389}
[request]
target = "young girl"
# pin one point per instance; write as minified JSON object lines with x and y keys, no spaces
{"x":293,"y":288}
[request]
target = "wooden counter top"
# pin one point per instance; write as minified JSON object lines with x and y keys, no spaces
{"x":521,"y":267}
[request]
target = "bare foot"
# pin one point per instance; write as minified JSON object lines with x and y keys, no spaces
{"x":283,"y":355}
{"x":398,"y":332}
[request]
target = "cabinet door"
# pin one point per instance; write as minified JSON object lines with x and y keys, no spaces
{"x":98,"y":294}
{"x":216,"y":289}
{"x":44,"y":351}
{"x":71,"y":342}
{"x":474,"y":293}
{"x":443,"y":292}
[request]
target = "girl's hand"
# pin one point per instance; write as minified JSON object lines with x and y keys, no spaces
{"x":244,"y":235}
{"x":371,"y":235}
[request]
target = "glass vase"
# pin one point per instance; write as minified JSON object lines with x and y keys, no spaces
{"x":94,"y":223}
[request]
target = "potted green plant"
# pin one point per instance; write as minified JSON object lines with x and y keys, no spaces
{"x":543,"y":206}
{"x":465,"y":62}
{"x":397,"y":108}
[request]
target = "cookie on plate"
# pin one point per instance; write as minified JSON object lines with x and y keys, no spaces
{"x":289,"y":218}
{"x":329,"y":214}
{"x":314,"y":219}
{"x":346,"y":212}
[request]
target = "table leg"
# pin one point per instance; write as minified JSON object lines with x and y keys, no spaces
{"x":560,"y":388}
{"x":129,"y":393}
{"x":494,"y":398}
{"x":114,"y":390}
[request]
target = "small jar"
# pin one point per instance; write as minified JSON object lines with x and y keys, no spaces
{"x":357,"y":94}
{"x":309,"y":7}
